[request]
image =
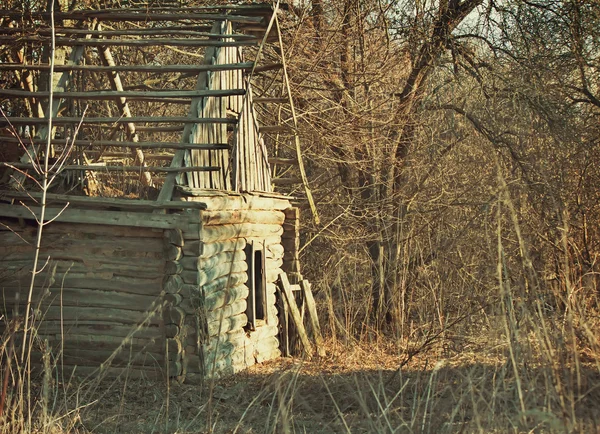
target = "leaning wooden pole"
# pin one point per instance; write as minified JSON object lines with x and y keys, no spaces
{"x":116,"y":84}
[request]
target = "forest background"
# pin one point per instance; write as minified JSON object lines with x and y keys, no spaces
{"x":453,"y":151}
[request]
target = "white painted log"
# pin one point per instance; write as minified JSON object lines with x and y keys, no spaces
{"x":218,"y":217}
{"x":224,"y":201}
{"x":221,"y":283}
{"x":211,"y":234}
{"x":198,"y":248}
{"x":203,"y":277}
{"x":197,"y":263}
{"x":218,"y":299}
{"x":227,"y":324}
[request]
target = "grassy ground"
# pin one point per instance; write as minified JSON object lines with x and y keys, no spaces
{"x":356,"y":388}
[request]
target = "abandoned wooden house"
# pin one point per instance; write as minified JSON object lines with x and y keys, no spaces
{"x":166,"y":248}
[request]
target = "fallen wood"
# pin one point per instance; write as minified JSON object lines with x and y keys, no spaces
{"x":313,"y":317}
{"x":286,"y":289}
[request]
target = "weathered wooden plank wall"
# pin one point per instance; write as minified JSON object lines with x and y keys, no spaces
{"x":99,"y":294}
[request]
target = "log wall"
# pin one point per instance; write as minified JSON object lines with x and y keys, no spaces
{"x":214,"y":338}
{"x":171,"y":299}
{"x":99,"y":296}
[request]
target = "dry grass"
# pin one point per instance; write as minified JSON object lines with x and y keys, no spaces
{"x":356,"y":389}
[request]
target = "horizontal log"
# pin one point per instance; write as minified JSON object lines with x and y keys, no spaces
{"x":61,"y":120}
{"x":124,"y":144}
{"x":122,"y":15}
{"x":106,"y":248}
{"x":152,"y":31}
{"x":227,"y":324}
{"x":191,"y":263}
{"x":218,"y":299}
{"x":172,"y":330}
{"x":78,"y":297}
{"x":173,"y":267}
{"x":263,"y":332}
{"x":93,"y":358}
{"x":174,"y":236}
{"x":104,"y":202}
{"x":223,"y":201}
{"x":119,"y":316}
{"x":129,"y":94}
{"x":24,"y":267}
{"x":228,"y":281}
{"x":174,"y":348}
{"x":207,"y":250}
{"x":275,"y":251}
{"x":88,"y":231}
{"x":266,"y":240}
{"x":145,"y":42}
{"x":102,"y":329}
{"x":173,"y":283}
{"x":267,"y":349}
{"x":211,"y":217}
{"x":102,"y":342}
{"x":173,"y":299}
{"x":116,"y":218}
{"x":205,"y":276}
{"x":173,"y":315}
{"x":235,"y":338}
{"x":225,"y":312}
{"x":172,"y":252}
{"x":211,"y":234}
{"x":106,"y":168}
{"x":102,"y":281}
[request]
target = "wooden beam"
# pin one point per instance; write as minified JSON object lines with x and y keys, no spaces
{"x":145,"y":42}
{"x":120,"y":144}
{"x":289,"y":299}
{"x":122,"y":120}
{"x":119,"y":15}
{"x":152,"y":31}
{"x":99,"y":168}
{"x":114,"y":218}
{"x":246,"y":66}
{"x":312,"y":315}
{"x":131,"y":94}
{"x":105,"y":201}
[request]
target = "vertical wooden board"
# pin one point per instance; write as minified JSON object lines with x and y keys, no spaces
{"x":314,"y":319}
{"x":295,"y":313}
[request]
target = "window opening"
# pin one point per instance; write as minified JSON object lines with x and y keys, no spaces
{"x":256,"y":310}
